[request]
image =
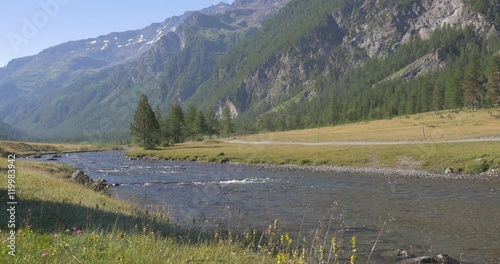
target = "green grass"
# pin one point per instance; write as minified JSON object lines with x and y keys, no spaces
{"x":435,"y":157}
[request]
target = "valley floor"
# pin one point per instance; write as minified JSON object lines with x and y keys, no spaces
{"x":464,"y":144}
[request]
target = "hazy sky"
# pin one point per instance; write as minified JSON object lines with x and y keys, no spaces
{"x":29,"y":26}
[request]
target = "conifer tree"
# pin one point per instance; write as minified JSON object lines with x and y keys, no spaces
{"x":493,"y":85}
{"x":190,"y":129}
{"x":145,"y":127}
{"x":174,"y":123}
{"x":453,"y":95}
{"x":212,"y":123}
{"x":200,"y":124}
{"x":472,"y":84}
{"x":438,"y":97}
{"x":227,"y":125}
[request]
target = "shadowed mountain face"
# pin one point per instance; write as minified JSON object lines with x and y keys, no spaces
{"x":84,"y":89}
{"x":258,"y":56}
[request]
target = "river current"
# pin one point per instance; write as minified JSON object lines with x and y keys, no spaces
{"x":427,"y":216}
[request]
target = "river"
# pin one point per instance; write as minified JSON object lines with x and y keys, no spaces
{"x":427,"y":216}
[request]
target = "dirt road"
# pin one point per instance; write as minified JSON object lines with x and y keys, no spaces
{"x":362,"y":143}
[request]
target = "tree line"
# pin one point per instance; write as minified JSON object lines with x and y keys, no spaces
{"x":150,"y":128}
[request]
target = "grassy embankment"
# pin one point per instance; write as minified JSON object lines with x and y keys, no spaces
{"x":429,"y":154}
{"x":58,"y":221}
{"x":61,"y":222}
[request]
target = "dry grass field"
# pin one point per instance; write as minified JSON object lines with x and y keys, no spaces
{"x":445,"y":125}
{"x":29,"y":148}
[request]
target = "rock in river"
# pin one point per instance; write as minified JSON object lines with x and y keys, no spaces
{"x":439,"y":259}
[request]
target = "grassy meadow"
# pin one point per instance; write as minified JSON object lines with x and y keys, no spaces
{"x":443,"y":125}
{"x":429,"y":154}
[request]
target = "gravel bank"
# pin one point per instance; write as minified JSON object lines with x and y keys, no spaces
{"x":394,"y":172}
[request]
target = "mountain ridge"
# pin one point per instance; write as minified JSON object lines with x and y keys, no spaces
{"x":299,"y":63}
{"x":91,"y":81}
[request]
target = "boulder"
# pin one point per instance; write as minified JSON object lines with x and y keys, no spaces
{"x":448,"y":170}
{"x":397,"y":254}
{"x":439,"y":259}
{"x":100,"y":185}
{"x":82,"y":178}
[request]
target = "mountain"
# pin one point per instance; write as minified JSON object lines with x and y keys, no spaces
{"x":323,"y":62}
{"x":85,"y":89}
{"x":7,"y":132}
{"x":278,"y":64}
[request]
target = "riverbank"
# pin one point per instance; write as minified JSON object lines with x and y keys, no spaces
{"x":59,"y":221}
{"x":32,"y":148}
{"x":460,"y":160}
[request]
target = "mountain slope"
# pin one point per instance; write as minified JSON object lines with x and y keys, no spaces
{"x":332,"y":53}
{"x":89,"y":89}
{"x":7,"y":132}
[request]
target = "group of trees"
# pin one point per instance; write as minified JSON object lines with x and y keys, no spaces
{"x":150,"y":129}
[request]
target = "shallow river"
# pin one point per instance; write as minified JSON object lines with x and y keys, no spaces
{"x":457,"y":217}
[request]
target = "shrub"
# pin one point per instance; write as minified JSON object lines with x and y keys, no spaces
{"x":476,"y":167}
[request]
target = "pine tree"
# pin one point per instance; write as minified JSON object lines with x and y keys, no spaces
{"x":227,"y":125}
{"x":190,"y":129}
{"x":472,"y":83}
{"x":333,"y":112}
{"x":438,"y":97}
{"x":145,"y":127}
{"x":200,"y":125}
{"x":212,"y":123}
{"x":493,"y":85}
{"x":174,"y":123}
{"x":453,"y":95}
{"x":157,"y":112}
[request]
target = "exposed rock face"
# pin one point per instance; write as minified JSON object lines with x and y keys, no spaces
{"x":380,"y":27}
{"x":275,"y":79}
{"x":232,"y":109}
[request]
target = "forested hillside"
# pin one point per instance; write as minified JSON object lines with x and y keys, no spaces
{"x":9,"y":133}
{"x":329,"y":62}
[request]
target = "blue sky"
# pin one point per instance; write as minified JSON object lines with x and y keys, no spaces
{"x":29,"y":26}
